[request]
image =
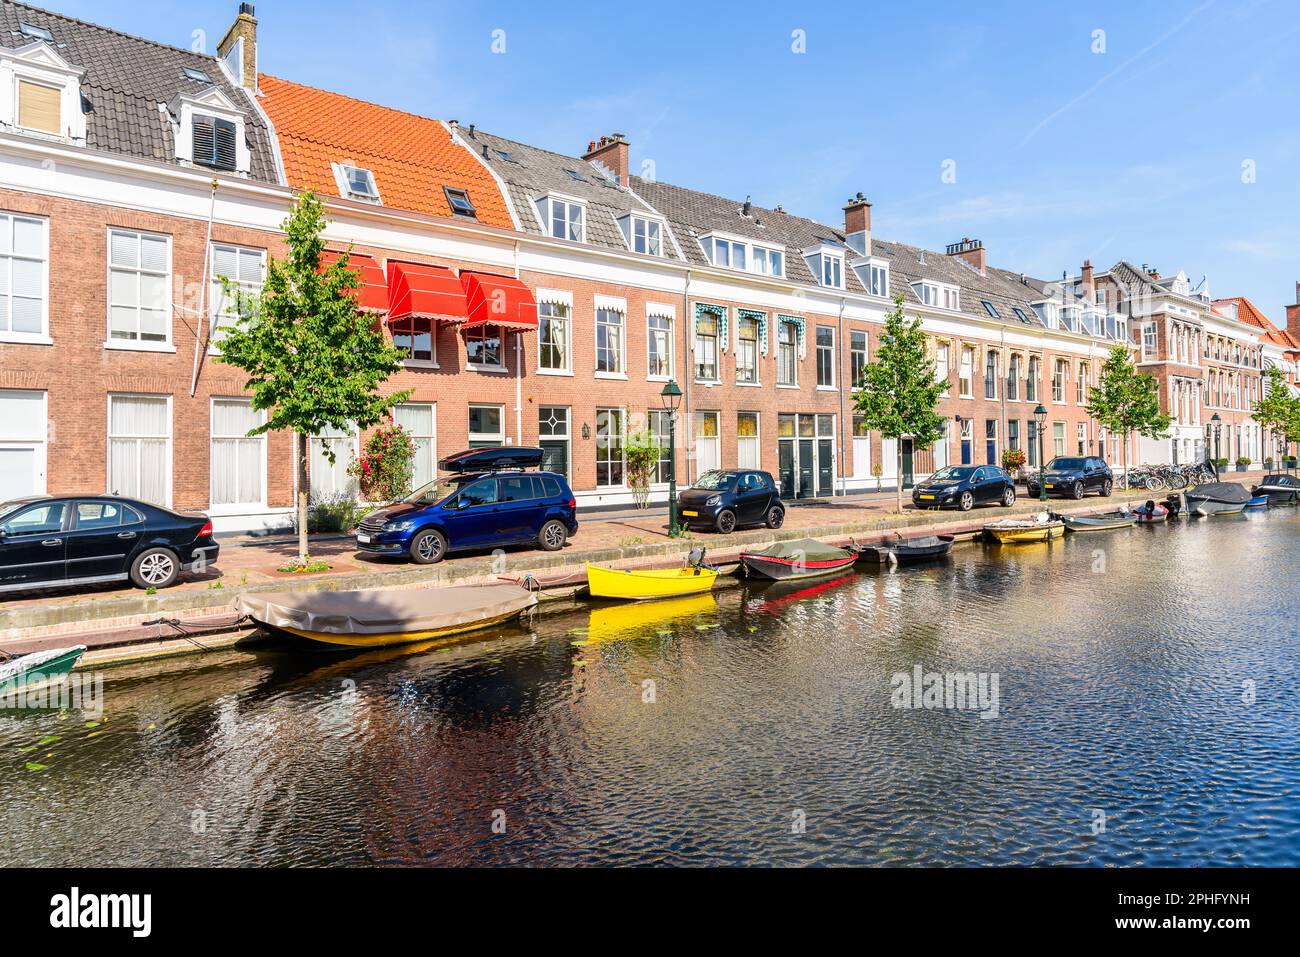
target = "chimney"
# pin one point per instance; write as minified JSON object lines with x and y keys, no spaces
{"x":1089,"y":285}
{"x":857,"y":224}
{"x":971,"y":250}
{"x":238,"y":48}
{"x":1293,"y":314}
{"x":610,"y":152}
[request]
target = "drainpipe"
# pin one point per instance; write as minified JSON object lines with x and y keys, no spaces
{"x":840,"y":457}
{"x":519,"y":369}
{"x":688,"y":327}
{"x":1002,"y":392}
{"x":203,"y":292}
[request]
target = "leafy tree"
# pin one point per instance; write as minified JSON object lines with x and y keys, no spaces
{"x":899,"y":391}
{"x":313,"y":361}
{"x":1125,"y":401}
{"x":1277,"y":408}
{"x":643,"y":452}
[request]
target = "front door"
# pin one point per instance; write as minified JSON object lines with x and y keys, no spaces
{"x":806,"y":452}
{"x":966,"y":442}
{"x":908,"y":454}
{"x":825,"y":467}
{"x":785,"y":461}
{"x":33,"y":549}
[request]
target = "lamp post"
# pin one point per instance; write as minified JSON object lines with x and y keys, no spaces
{"x":1217,"y":424}
{"x":671,"y":397}
{"x":1040,"y":417}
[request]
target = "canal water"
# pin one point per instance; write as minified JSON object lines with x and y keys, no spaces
{"x":1146,"y":713}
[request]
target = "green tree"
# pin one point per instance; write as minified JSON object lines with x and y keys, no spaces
{"x":313,"y":361}
{"x":643,"y":452}
{"x":1125,"y":401}
{"x":1277,"y":406}
{"x":899,"y":391}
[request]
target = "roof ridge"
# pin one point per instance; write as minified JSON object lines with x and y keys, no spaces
{"x":728,"y":199}
{"x":119,"y":33}
{"x":354,"y":99}
{"x":540,"y":149}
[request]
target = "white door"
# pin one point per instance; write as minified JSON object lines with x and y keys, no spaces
{"x":941,"y":450}
{"x":22,"y":444}
{"x":889,"y":458}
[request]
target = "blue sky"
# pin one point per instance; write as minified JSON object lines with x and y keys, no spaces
{"x":1059,"y":151}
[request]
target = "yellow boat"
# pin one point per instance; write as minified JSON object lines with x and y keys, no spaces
{"x":1013,"y":530}
{"x":649,"y":583}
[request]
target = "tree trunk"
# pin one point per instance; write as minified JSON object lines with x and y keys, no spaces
{"x":304,"y":445}
{"x":1127,"y":435}
{"x":898,"y":470}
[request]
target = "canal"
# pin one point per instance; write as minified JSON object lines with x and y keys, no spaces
{"x":1135,"y":703}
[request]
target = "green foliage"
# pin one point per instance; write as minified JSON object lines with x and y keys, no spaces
{"x":642,"y":451}
{"x":337,"y":513}
{"x":305,"y":566}
{"x":1278,"y":411}
{"x":1125,"y":401}
{"x":1012,"y":459}
{"x":313,"y":361}
{"x":386,"y":464}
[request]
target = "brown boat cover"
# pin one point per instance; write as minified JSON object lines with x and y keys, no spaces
{"x":385,"y":612}
{"x":804,"y":549}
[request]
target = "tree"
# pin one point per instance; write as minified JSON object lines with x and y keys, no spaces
{"x":1277,"y":406}
{"x":899,"y":391}
{"x":1124,"y":401}
{"x":313,"y":360}
{"x":643,"y":452}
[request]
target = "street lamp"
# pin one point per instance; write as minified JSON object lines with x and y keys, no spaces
{"x":1217,"y":424}
{"x":672,"y":396}
{"x":1040,"y":417}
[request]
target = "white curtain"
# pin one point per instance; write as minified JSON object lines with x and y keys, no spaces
{"x":139,"y":463}
{"x":237,"y":459}
{"x":328,"y":480}
{"x":417,"y":419}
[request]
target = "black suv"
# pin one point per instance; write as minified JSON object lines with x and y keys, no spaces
{"x":1073,"y":477}
{"x":722,"y":499}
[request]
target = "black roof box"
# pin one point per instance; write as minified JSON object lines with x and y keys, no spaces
{"x":493,"y":459}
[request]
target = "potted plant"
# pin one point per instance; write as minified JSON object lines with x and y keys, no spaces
{"x":877,"y":470}
{"x":1013,"y":460}
{"x":1221,"y":463}
{"x":643,"y":454}
{"x":1243,"y":462}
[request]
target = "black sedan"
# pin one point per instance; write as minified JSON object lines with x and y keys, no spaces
{"x":1074,"y":476}
{"x":723,"y":499}
{"x":88,"y":539}
{"x":965,"y":486}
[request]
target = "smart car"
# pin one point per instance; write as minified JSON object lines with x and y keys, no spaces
{"x":723,"y":499}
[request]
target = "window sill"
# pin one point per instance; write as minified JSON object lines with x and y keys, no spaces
{"x":618,"y":376}
{"x":29,"y":339}
{"x":827,"y":388}
{"x":795,"y":386}
{"x":708,"y":383}
{"x":496,"y":370}
{"x":420,"y":364}
{"x":750,"y":385}
{"x":659,"y":378}
{"x":558,"y":372}
{"x":125,"y":346}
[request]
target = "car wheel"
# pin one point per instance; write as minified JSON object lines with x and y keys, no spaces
{"x":553,"y":536}
{"x":966,"y":502}
{"x":1076,"y":490}
{"x":726,"y":521}
{"x":429,"y":547}
{"x":775,"y":516}
{"x":155,"y":568}
{"x":1106,"y":488}
{"x":1008,"y":497}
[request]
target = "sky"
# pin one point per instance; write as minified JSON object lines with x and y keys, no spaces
{"x":1162,"y":133}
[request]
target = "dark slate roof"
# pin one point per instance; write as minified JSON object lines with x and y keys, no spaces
{"x":531,"y":172}
{"x":126,"y":78}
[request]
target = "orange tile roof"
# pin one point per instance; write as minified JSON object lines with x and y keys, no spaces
{"x":412,"y":157}
{"x":1249,"y":313}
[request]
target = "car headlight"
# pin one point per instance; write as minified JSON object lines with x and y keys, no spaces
{"x":712,"y":501}
{"x":396,"y":526}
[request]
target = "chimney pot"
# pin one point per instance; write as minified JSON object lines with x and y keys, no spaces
{"x":971,"y":251}
{"x":610,"y":151}
{"x":857,"y":224}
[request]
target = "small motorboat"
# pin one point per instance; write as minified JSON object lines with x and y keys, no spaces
{"x":1042,"y":528}
{"x":1217,"y":498}
{"x":1152,"y":513}
{"x":787,"y":561}
{"x":1099,"y":523}
{"x":27,"y":672}
{"x":651,"y":583}
{"x":904,"y":550}
{"x":373,"y":619}
{"x":1279,"y":489}
{"x":1258,"y":501}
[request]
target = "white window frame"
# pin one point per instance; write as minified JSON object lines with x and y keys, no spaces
{"x":235,"y":507}
{"x":666,"y":313}
{"x":767,"y":255}
{"x":480,"y":331}
{"x":37,"y":443}
{"x":619,"y":306}
{"x":966,"y":372}
{"x":136,"y":345}
{"x":497,"y":437}
{"x":566,"y":438}
{"x":709,"y":244}
{"x":943,"y":369}
{"x":344,"y":183}
{"x":832,"y":262}
{"x":546,"y":205}
{"x":818,"y":349}
{"x":563,"y":298}
{"x":432,"y":447}
{"x":697,"y":342}
{"x":214,"y":103}
{"x":622,"y":444}
{"x":713,"y":442}
{"x":216,"y":292}
{"x":759,"y":333}
{"x":878,"y":279}
{"x":629,"y":224}
{"x":39,"y":63}
{"x":339,"y":446}
{"x":6,"y":264}
{"x":794,"y":353}
{"x":755,"y":440}
{"x":108,"y":444}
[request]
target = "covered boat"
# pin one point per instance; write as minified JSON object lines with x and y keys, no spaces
{"x":1152,"y":513}
{"x":370,"y":619}
{"x":805,"y":558}
{"x":649,"y":583}
{"x":1280,"y":490}
{"x":903,"y":550}
{"x":1217,"y":498}
{"x":29,"y":671}
{"x":1042,"y":528}
{"x":1099,"y":523}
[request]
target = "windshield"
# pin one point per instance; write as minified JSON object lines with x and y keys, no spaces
{"x":953,"y":473}
{"x":1065,"y":465}
{"x":432,"y":493}
{"x":713,"y":480}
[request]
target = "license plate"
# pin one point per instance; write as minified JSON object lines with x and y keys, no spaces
{"x":1050,"y":485}
{"x":925,"y":496}
{"x":363,"y":539}
{"x":690,"y":514}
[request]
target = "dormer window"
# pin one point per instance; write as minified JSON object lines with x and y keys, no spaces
{"x":214,"y":142}
{"x":768,"y":261}
{"x":563,"y":217}
{"x":209,"y":131}
{"x":38,"y":107}
{"x":41,"y":92}
{"x":937,"y":294}
{"x":1070,"y":319}
{"x":356,"y":182}
{"x":642,"y":234}
{"x":35,"y":32}
{"x":458,"y":200}
{"x":827,"y":264}
{"x":728,"y":253}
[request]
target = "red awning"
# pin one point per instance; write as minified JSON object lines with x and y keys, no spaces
{"x":424,"y":292}
{"x":498,"y":300}
{"x":372,"y":295}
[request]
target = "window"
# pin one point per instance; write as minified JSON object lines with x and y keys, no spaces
{"x":483,"y":346}
{"x":23,"y":433}
{"x":35,"y":32}
{"x":609,"y":339}
{"x":769,"y":262}
{"x":458,"y":200}
{"x":565,"y":219}
{"x":725,"y":252}
{"x":747,"y":447}
{"x":1013,"y":379}
{"x":245,"y":269}
{"x":1031,"y":449}
{"x":419,"y":420}
{"x":139,"y":447}
{"x":198,"y":76}
{"x":646,"y":236}
{"x":553,"y":336}
{"x":825,"y":357}
{"x":330,"y":480}
{"x":1021,"y":314}
{"x":609,"y":448}
{"x":505,"y":155}
{"x":40,"y":519}
{"x":1013,"y":434}
{"x":659,"y":344}
{"x":486,"y":426}
{"x":138,"y":283}
{"x":1081,"y":385}
{"x":23,"y":260}
{"x":38,"y":107}
{"x":706,"y":347}
{"x":927,"y":292}
{"x":417,"y":337}
{"x":1149,"y":341}
{"x":991,"y":375}
{"x":1060,"y":373}
{"x":787,"y":365}
{"x":553,"y":437}
{"x":965,"y":372}
{"x":990,"y":309}
{"x":951,"y":298}
{"x":832,"y":271}
{"x":575,"y":175}
{"x":706,"y":442}
{"x":238,"y":460}
{"x":214,"y":142}
{"x":1031,"y":380}
{"x":878,"y":280}
{"x":659,"y":421}
{"x":858,"y":357}
{"x":941,"y":366}
{"x":1058,"y":438}
{"x":747,"y":350}
{"x":991,"y":441}
{"x":1082,"y":435}
{"x":357,"y":183}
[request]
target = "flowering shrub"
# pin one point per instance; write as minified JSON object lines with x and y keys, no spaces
{"x":1012,"y":459}
{"x":386,"y":465}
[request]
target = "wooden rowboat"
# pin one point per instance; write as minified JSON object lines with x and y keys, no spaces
{"x":650,"y":583}
{"x":1099,"y":523}
{"x":786,"y":561}
{"x":1013,"y":530}
{"x":27,"y":672}
{"x":904,"y":550}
